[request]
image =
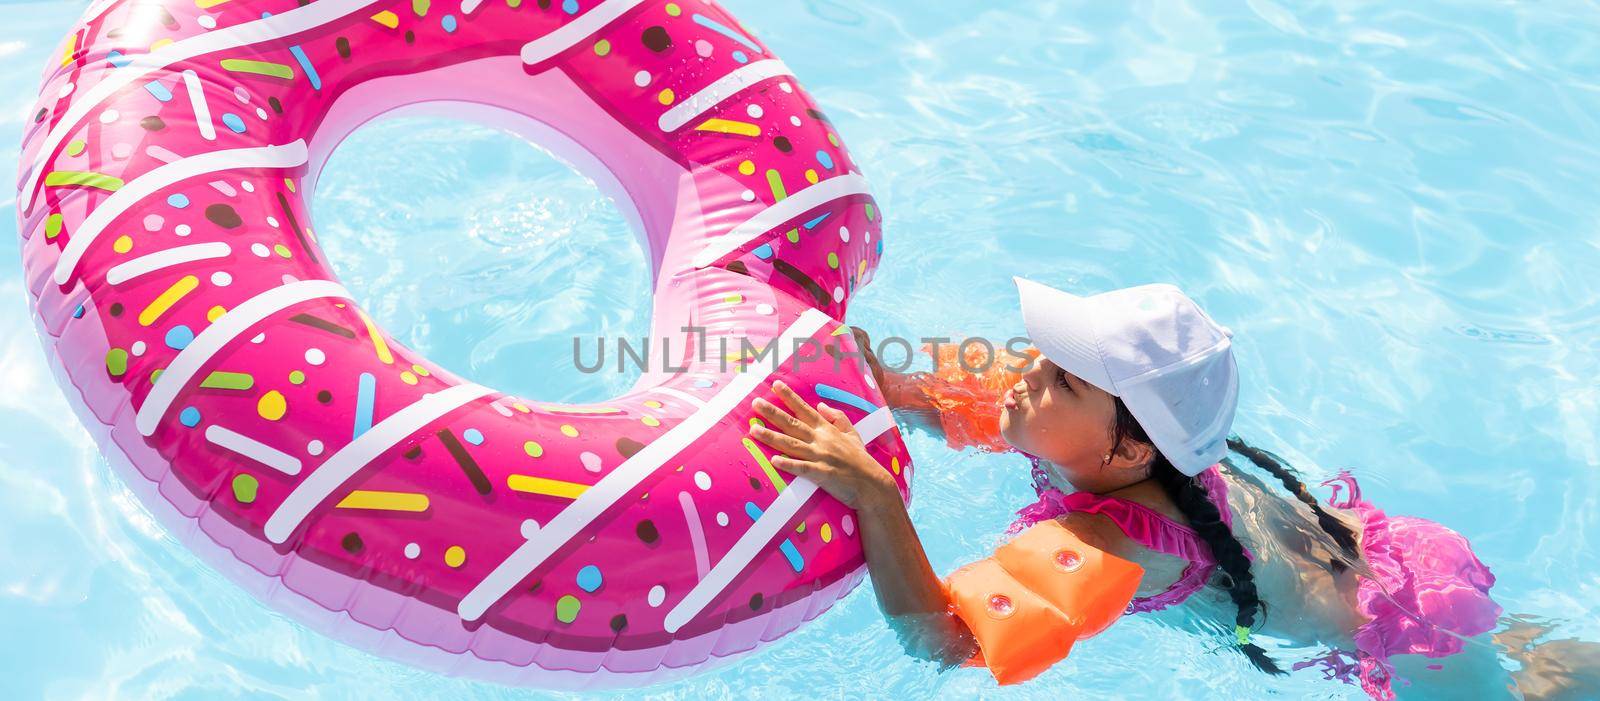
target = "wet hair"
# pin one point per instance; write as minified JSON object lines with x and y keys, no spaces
{"x":1194,"y":501}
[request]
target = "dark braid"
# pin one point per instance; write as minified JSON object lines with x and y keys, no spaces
{"x":1191,"y":498}
{"x":1334,"y":527}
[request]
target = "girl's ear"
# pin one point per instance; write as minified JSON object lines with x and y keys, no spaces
{"x":1132,"y":455}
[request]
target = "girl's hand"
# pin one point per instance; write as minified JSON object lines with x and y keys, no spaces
{"x":822,"y":445}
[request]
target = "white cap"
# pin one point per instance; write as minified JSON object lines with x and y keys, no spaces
{"x":1156,"y":349}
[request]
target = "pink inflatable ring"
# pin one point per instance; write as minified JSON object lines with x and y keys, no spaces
{"x":195,"y":326}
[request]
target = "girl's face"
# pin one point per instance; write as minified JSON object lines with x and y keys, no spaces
{"x":1069,"y":423}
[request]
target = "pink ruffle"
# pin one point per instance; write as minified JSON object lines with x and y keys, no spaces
{"x":1143,"y":525}
{"x":1428,"y":589}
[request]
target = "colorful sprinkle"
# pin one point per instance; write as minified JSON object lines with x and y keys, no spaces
{"x":166,"y":299}
{"x":589,"y":578}
{"x":228,"y":380}
{"x":528,"y":484}
{"x":65,"y":178}
{"x":179,"y":337}
{"x":455,"y":555}
{"x":266,"y":68}
{"x":385,"y":501}
{"x":244,"y":488}
{"x":190,"y":417}
{"x":473,"y":436}
{"x":272,"y":406}
{"x":117,"y":362}
{"x":567,"y":606}
{"x":233,"y":122}
{"x":533,"y":449}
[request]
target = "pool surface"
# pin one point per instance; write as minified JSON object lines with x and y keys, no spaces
{"x":1393,"y":209}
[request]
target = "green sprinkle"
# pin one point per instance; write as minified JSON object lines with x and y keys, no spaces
{"x":296,"y":377}
{"x":602,"y":48}
{"x":833,"y":261}
{"x":420,"y":7}
{"x":228,"y":380}
{"x":59,"y":178}
{"x":793,"y":236}
{"x":52,"y":226}
{"x":244,"y":488}
{"x":117,"y":362}
{"x":1242,"y":634}
{"x":533,"y":449}
{"x":567,"y":608}
{"x":75,"y":147}
{"x":266,"y":68}
{"x":281,"y":250}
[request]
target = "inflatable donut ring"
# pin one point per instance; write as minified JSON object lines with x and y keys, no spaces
{"x":196,"y":327}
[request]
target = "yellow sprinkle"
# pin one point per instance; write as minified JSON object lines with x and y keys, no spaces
{"x":650,"y":421}
{"x":157,"y":44}
{"x":519,"y":406}
{"x":385,"y":501}
{"x":653,"y":404}
{"x":123,"y":244}
{"x":215,"y":313}
{"x":387,"y":19}
{"x":826,"y":531}
{"x":734,"y":298}
{"x":894,"y":464}
{"x":378,"y":343}
{"x":569,"y":431}
{"x":723,"y":126}
{"x":811,"y":176}
{"x":666,"y":97}
{"x":455,"y":555}
{"x":72,"y":45}
{"x":205,"y":4}
{"x":407,"y":377}
{"x":539,"y":485}
{"x":165,"y":301}
{"x":272,"y":405}
{"x":747,"y":168}
{"x":422,"y":371}
{"x":862,"y":268}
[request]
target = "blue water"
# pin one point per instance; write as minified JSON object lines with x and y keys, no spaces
{"x":1392,"y":208}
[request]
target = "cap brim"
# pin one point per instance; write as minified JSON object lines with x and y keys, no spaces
{"x":1062,"y":326}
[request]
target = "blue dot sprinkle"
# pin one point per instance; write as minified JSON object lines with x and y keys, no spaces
{"x":740,"y":57}
{"x":178,"y":200}
{"x":473,"y":436}
{"x":179,"y":337}
{"x":190,"y":416}
{"x":764,"y":252}
{"x":589,"y":578}
{"x":702,"y":382}
{"x":449,"y":23}
{"x":234,"y":122}
{"x":825,"y":159}
{"x":78,"y":313}
{"x":570,"y":7}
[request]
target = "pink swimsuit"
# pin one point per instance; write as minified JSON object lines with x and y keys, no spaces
{"x":1142,"y":524}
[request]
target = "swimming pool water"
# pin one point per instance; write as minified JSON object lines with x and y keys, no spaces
{"x":1390,"y":204}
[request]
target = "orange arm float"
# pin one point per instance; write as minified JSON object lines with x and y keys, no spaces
{"x":968,"y":403}
{"x":1036,"y":596}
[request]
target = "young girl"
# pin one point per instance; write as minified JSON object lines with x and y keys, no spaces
{"x":1124,"y":407}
